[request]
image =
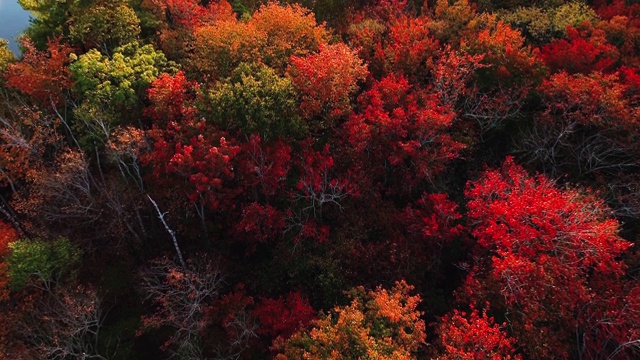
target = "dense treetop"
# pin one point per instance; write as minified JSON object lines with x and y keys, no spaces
{"x":375,"y":179}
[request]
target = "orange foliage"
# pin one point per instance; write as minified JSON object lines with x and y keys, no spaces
{"x":504,"y":51}
{"x":222,"y":47}
{"x":327,"y":79}
{"x":271,"y":36}
{"x":43,"y":75}
{"x":409,"y":48}
{"x":379,"y":324}
{"x":181,"y":18}
{"x":595,"y":100}
{"x":289,"y":30}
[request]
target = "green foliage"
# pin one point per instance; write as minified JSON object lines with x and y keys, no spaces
{"x":6,"y":56}
{"x":541,"y":25}
{"x":105,"y":26}
{"x":117,"y":82}
{"x":572,"y":14}
{"x":255,"y":99}
{"x":49,"y":19}
{"x":112,"y":87}
{"x":534,"y":23}
{"x":45,"y":261}
{"x":450,"y":18}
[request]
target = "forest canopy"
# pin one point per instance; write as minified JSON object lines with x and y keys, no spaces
{"x":373,"y":179}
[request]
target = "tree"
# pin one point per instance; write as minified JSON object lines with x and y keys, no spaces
{"x":49,"y":19}
{"x":409,"y":48}
{"x":190,"y":14}
{"x":255,"y":100}
{"x":282,"y":317}
{"x":509,"y":60}
{"x":190,"y":302}
{"x":288,"y":30}
{"x":177,"y":21}
{"x":7,"y":236}
{"x":471,"y":336}
{"x":378,"y":324}
{"x":171,"y":98}
{"x":539,"y":251}
{"x":115,"y":83}
{"x":6,"y":55}
{"x":270,"y":37}
{"x":41,"y":261}
{"x":586,"y":51}
{"x":326,"y":81}
{"x":180,"y":296}
{"x":43,"y":75}
{"x":104,"y":25}
{"x":198,"y":162}
{"x":111,"y":88}
{"x":588,"y":125}
{"x":64,"y":323}
{"x":401,"y":132}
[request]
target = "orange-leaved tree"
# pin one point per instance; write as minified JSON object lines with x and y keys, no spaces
{"x":380,"y":324}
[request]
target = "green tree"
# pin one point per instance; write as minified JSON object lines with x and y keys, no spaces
{"x":49,"y":19}
{"x":255,"y":99}
{"x":6,"y":56}
{"x":41,"y":260}
{"x":111,"y":88}
{"x":105,"y":26}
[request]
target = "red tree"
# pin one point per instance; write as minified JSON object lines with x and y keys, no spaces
{"x":586,"y":50}
{"x":401,"y":131}
{"x":43,"y":75}
{"x":283,"y":316}
{"x":171,"y":99}
{"x":471,"y":336}
{"x":541,"y":248}
{"x":198,"y":157}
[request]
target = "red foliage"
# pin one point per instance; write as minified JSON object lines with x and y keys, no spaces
{"x":596,"y":100}
{"x":402,"y":128}
{"x":408,"y":48}
{"x":171,"y":98}
{"x":260,"y":223}
{"x":283,"y":317}
{"x":474,"y":337}
{"x":585,"y":51}
{"x":320,"y":188}
{"x":190,"y":14}
{"x":631,"y":79}
{"x":542,"y":246}
{"x":610,"y":322}
{"x":327,"y":80}
{"x":616,"y":8}
{"x":433,"y":218}
{"x":452,"y":74}
{"x":421,"y":232}
{"x":230,"y":326}
{"x":316,"y":184}
{"x":201,"y":157}
{"x":7,"y":235}
{"x":43,"y":75}
{"x":264,"y":167}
